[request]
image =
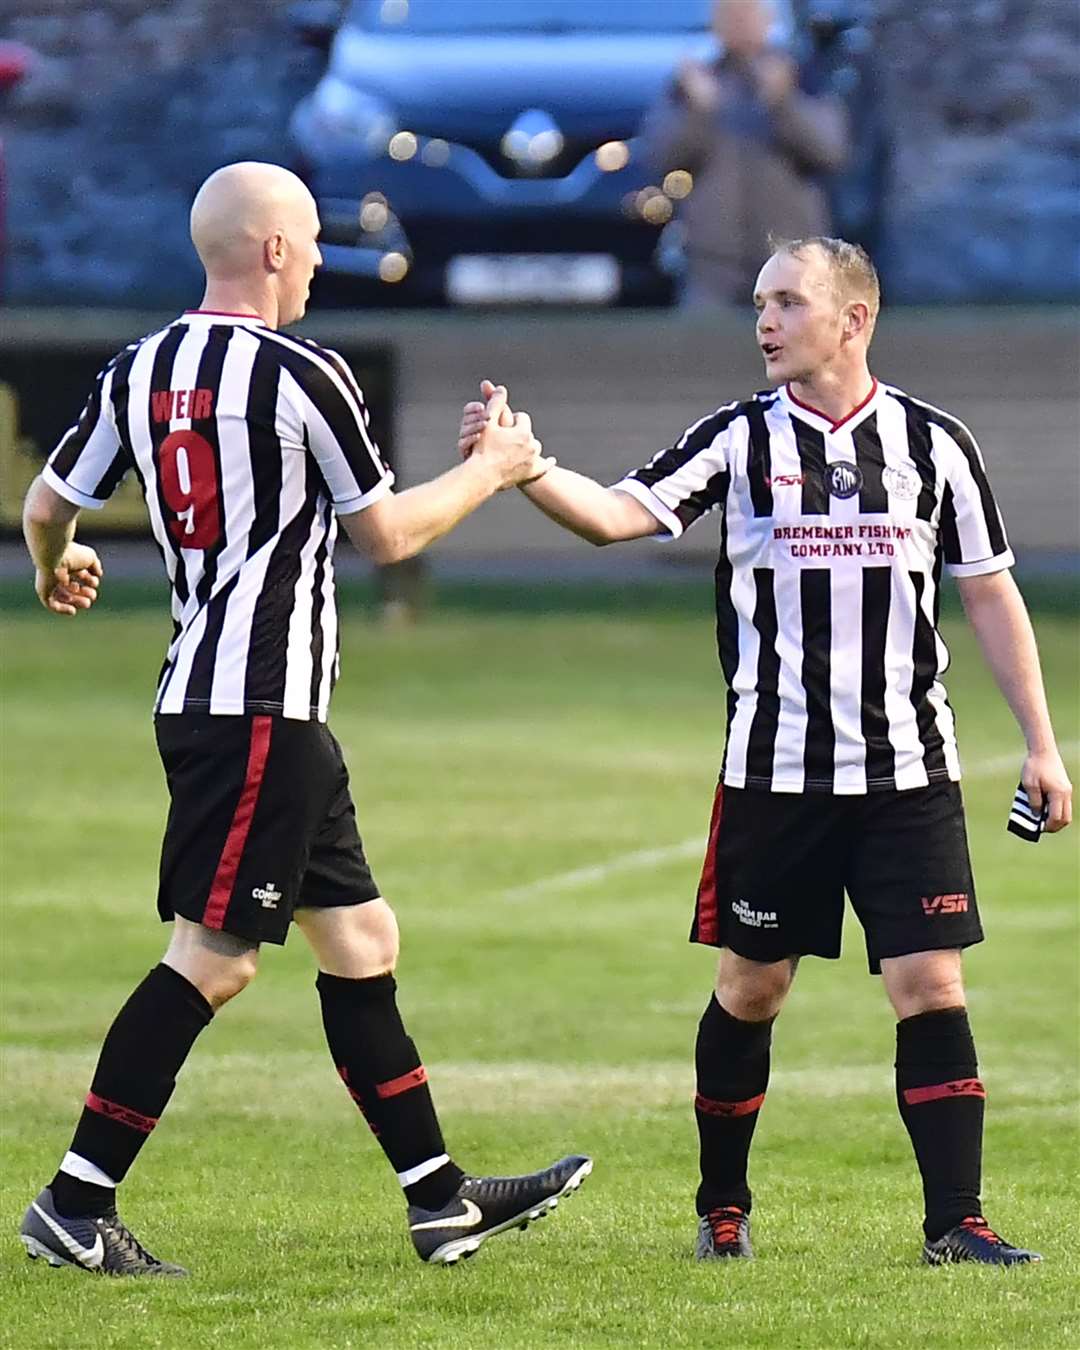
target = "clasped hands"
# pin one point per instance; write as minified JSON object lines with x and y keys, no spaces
{"x":492,"y":429}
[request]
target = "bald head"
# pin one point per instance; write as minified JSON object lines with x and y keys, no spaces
{"x":255,"y":227}
{"x":238,"y":209}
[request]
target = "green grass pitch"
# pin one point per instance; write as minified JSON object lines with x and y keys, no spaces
{"x":533,"y":782}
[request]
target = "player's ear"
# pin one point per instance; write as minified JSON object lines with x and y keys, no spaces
{"x":274,"y":252}
{"x":856,"y":317}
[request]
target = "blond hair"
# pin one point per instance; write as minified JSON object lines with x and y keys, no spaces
{"x":854,"y":276}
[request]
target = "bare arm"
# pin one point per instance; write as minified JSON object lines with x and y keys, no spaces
{"x":398,"y":526}
{"x":599,"y":514}
{"x":999,"y":617}
{"x":401,"y":525}
{"x":67,"y":573}
{"x":602,"y":515}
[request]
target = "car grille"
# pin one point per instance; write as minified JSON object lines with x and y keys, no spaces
{"x":571,"y":155}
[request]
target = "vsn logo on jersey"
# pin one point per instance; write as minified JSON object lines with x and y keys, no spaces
{"x":956,"y":902}
{"x":844,"y":480}
{"x":267,"y":895}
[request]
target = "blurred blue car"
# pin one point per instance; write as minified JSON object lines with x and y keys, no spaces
{"x":484,"y":152}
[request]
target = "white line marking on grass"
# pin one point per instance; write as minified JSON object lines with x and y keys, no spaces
{"x":695,"y":845}
{"x":296,"y":1085}
{"x":986,"y":768}
{"x":1044,"y":919}
{"x":626,"y":862}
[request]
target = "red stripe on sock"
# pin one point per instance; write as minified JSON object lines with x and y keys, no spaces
{"x":707,"y":927}
{"x":713,"y":1108}
{"x":124,"y":1114}
{"x":959,"y":1087}
{"x":221,"y":888}
{"x":393,"y":1087}
{"x":344,"y":1073}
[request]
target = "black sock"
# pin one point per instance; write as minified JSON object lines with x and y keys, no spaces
{"x":732,"y":1059}
{"x":380,"y":1066}
{"x":135,"y":1075}
{"x":941,"y":1102}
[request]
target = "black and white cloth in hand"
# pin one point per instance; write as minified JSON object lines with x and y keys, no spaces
{"x":1024,"y":821}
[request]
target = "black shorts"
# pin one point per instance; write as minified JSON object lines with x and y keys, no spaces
{"x":777,"y":866}
{"x":260,"y":823}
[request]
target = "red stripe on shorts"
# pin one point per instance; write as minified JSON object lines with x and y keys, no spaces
{"x":959,"y":1087}
{"x":221,"y":888}
{"x":393,"y":1087}
{"x":727,"y":1109}
{"x":708,"y":929}
{"x":124,"y":1114}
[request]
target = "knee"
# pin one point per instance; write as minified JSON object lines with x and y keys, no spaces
{"x":752,"y":991}
{"x":356,"y":942}
{"x":372,"y":942}
{"x":750,"y":1003}
{"x":909,"y":1000}
{"x":219,"y":965}
{"x":926,"y":982}
{"x":224,"y":982}
{"x":379,"y":943}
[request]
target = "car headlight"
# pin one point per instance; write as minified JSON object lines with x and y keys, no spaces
{"x":348,"y":113}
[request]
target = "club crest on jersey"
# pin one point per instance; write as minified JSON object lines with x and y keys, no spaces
{"x":902,"y":483}
{"x":844,"y":479}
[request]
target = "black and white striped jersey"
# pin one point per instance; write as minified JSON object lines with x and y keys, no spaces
{"x":247,"y":442}
{"x":832,"y":540}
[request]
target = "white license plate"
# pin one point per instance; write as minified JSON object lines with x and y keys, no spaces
{"x":533,"y":278}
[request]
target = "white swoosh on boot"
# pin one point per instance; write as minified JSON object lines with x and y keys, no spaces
{"x":471,"y":1216}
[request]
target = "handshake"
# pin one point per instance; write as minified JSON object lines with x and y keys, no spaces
{"x":502,"y":440}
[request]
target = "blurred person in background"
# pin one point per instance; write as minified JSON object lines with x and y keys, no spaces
{"x":840,"y":501}
{"x":251,"y":445}
{"x":757,"y":146}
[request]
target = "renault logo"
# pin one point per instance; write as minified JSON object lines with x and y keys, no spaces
{"x":534,"y":140}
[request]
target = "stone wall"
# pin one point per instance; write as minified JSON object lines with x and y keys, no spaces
{"x":133,"y":102}
{"x":985,"y":188}
{"x":130,"y":104}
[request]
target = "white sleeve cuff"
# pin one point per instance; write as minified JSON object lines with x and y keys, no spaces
{"x":651,"y":502}
{"x":984,"y":567}
{"x":69,"y":493}
{"x":353,"y":504}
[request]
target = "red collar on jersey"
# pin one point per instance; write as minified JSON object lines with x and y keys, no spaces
{"x":833,"y":426}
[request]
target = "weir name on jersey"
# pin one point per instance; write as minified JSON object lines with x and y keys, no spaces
{"x":165,"y":404}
